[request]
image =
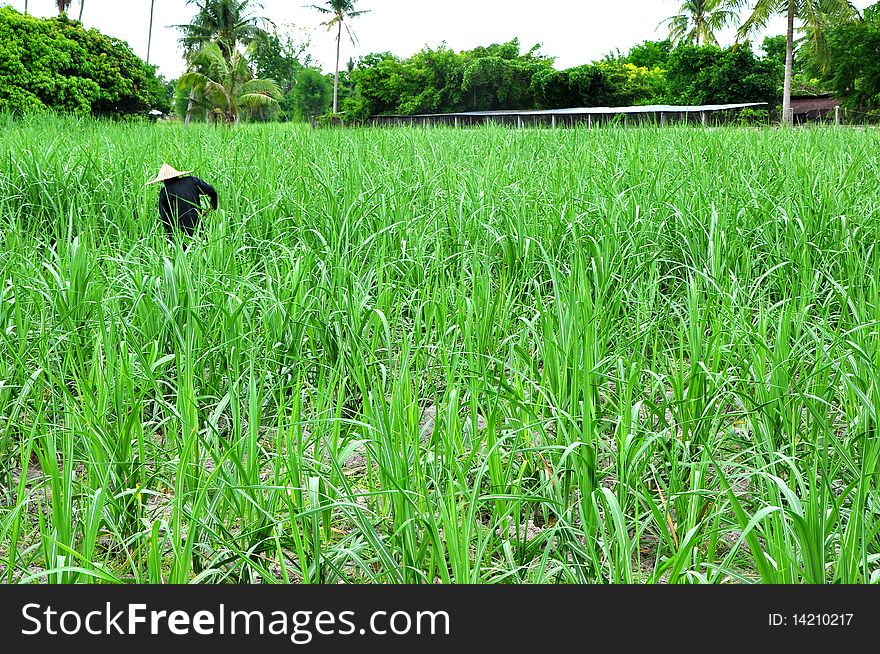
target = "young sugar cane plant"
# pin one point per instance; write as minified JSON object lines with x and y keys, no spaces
{"x":421,"y":356}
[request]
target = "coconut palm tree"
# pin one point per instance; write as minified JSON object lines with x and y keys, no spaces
{"x":63,"y":6}
{"x":698,"y":20}
{"x":229,"y":23}
{"x":814,"y":16}
{"x":225,"y":22}
{"x":341,"y":12}
{"x":82,"y":4}
{"x":227,"y":85}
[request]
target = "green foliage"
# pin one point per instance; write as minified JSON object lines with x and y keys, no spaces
{"x":604,"y":84}
{"x":379,"y":82}
{"x":225,"y":22}
{"x":56,"y":64}
{"x":650,"y":54}
{"x":283,"y":58}
{"x":774,"y":49}
{"x":311,"y":96}
{"x":854,"y":61}
{"x":493,"y":82}
{"x":629,"y":84}
{"x":711,"y":75}
{"x":499,"y":77}
{"x":440,"y":80}
{"x":226,"y":86}
{"x":698,"y":20}
{"x":437,"y":84}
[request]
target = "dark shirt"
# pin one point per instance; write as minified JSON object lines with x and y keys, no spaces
{"x":180,"y":203}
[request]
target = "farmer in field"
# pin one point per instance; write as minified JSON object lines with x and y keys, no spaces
{"x":180,"y":203}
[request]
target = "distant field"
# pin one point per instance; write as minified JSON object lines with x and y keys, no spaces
{"x":418,"y":356}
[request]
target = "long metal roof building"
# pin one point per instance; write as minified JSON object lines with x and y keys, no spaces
{"x":658,"y":113}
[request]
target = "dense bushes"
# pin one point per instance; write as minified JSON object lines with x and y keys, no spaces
{"x":853,"y":66}
{"x":712,"y":75}
{"x":57,"y":64}
{"x":501,"y":77}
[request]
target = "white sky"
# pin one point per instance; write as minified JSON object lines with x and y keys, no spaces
{"x":574,"y":31}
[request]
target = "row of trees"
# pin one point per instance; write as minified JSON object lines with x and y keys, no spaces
{"x":241,"y":65}
{"x":240,"y":62}
{"x":698,"y":20}
{"x":500,"y":77}
{"x":839,"y":51}
{"x":850,"y":65}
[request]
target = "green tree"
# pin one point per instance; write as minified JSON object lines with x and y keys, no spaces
{"x":227,"y":85}
{"x":712,"y":75}
{"x":55,"y":63}
{"x":229,"y":23}
{"x":280,"y":56}
{"x":499,"y":77}
{"x":342,"y":11}
{"x":378,"y":81}
{"x":311,"y":95}
{"x":814,"y":16}
{"x":650,"y":54}
{"x":774,"y":49}
{"x":698,"y":20}
{"x":853,"y":73}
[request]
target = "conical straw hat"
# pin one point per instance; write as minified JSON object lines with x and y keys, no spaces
{"x":167,"y":172}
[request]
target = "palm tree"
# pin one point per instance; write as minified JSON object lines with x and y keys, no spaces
{"x":25,"y":6}
{"x":227,"y":22}
{"x":341,"y":10}
{"x":150,"y":32}
{"x":227,"y":85}
{"x":63,"y":6}
{"x":698,"y":20}
{"x":82,"y":4}
{"x":814,"y":16}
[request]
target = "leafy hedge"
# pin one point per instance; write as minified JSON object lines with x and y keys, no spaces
{"x":853,"y":51}
{"x":500,"y":77}
{"x":712,"y":75}
{"x":55,"y":63}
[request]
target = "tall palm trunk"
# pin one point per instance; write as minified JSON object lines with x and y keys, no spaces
{"x":787,"y":116}
{"x":25,"y":6}
{"x":82,"y":3}
{"x":189,"y":108}
{"x":336,"y":76}
{"x":150,"y":33}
